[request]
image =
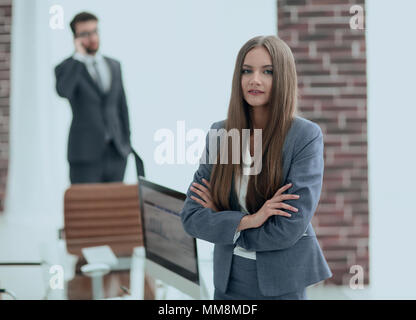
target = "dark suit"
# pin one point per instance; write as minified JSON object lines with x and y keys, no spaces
{"x":99,"y":137}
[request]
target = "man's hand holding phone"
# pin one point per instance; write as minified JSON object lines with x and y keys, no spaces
{"x":79,"y":47}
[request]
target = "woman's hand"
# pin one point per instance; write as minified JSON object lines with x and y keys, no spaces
{"x":270,"y":208}
{"x":204,"y":193}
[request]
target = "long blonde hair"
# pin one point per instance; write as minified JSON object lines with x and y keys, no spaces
{"x":282,"y":109}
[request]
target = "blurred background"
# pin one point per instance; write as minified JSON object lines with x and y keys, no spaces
{"x":355,"y":70}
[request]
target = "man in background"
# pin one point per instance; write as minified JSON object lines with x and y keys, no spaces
{"x":99,"y":137}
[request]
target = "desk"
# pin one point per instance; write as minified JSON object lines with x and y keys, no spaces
{"x":32,"y":241}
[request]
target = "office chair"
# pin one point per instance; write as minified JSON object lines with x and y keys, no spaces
{"x":104,"y":214}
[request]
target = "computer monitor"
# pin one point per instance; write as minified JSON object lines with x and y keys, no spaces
{"x":171,"y":254}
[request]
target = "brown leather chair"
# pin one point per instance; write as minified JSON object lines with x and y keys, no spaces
{"x":104,"y":214}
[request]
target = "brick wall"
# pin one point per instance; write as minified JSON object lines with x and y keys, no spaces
{"x":5,"y":24}
{"x":331,"y":65}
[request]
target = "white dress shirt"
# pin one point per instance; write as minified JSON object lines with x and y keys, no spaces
{"x":102,"y":65}
{"x":241,"y":190}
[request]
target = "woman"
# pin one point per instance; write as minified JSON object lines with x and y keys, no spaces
{"x":265,"y":245}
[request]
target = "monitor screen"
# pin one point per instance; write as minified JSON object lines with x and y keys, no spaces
{"x":166,"y":242}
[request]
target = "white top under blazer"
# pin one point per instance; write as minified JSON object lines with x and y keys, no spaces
{"x":241,"y":190}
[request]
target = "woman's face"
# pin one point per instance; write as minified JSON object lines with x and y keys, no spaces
{"x":257,"y":77}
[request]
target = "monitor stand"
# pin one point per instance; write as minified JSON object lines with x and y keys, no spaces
{"x":156,"y":271}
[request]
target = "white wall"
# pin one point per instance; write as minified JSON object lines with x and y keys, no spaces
{"x":177,"y":59}
{"x":391,"y":131}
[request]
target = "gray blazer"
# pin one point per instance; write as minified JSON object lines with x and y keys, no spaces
{"x":95,"y":113}
{"x":287,"y":260}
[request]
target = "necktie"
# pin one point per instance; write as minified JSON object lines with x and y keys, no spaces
{"x":99,"y":81}
{"x":98,"y":78}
